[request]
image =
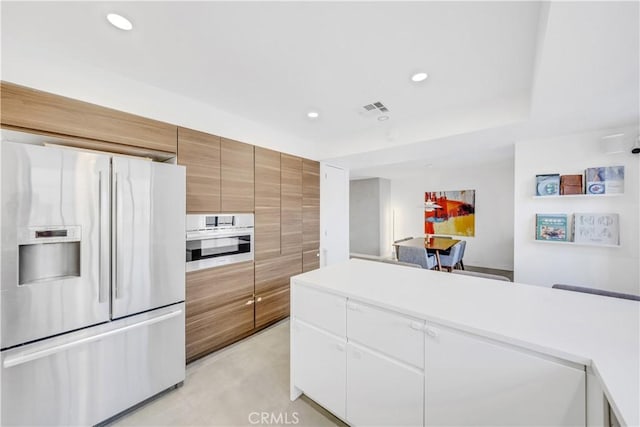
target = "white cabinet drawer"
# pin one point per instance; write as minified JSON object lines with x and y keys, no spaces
{"x":382,"y":391}
{"x":319,"y":366}
{"x":321,"y":309}
{"x":390,"y":333}
{"x":473,"y":381}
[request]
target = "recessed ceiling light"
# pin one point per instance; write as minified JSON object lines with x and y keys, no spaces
{"x":313,"y":114}
{"x":418,"y":77}
{"x":383,"y":118}
{"x":119,"y":21}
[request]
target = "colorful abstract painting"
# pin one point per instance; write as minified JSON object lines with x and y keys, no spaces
{"x":455,"y":216}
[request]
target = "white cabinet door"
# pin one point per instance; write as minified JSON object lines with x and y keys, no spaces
{"x":321,"y":309}
{"x":382,"y":391}
{"x":473,"y":381}
{"x":393,"y":334}
{"x":319,"y":366}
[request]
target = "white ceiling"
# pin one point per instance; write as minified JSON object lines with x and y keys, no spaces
{"x":498,"y":71}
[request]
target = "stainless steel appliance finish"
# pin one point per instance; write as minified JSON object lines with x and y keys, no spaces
{"x":85,"y":377}
{"x":214,"y":240}
{"x":92,"y":286}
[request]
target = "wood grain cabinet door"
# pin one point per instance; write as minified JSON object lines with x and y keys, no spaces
{"x":31,"y":109}
{"x":267,"y":204}
{"x":275,"y":273}
{"x":219,"y":307}
{"x":291,"y":206}
{"x":310,"y":215}
{"x":237,"y":179}
{"x":200,"y":153}
{"x":271,"y":307}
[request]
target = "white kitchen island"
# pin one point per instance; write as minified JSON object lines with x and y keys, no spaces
{"x":384,"y":344}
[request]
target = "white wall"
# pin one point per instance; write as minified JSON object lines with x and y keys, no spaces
{"x":91,"y":84}
{"x":334,"y":214}
{"x":369,"y":202}
{"x":492,"y":246}
{"x":545,"y":263}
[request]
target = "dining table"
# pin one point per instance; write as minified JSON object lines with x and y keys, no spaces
{"x":431,"y":244}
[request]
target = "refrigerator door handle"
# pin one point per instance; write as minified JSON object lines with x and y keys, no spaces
{"x":20,"y":359}
{"x":103,"y":258}
{"x":114,"y":239}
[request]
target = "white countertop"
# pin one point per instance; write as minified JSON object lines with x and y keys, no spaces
{"x":600,"y":332}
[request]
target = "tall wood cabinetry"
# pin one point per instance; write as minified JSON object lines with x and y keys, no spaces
{"x":236,"y":177}
{"x":200,"y":153}
{"x":219,"y":307}
{"x":278,"y":216}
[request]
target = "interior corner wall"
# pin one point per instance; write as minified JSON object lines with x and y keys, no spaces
{"x":537,"y":263}
{"x":369,"y":215}
{"x":492,"y":245}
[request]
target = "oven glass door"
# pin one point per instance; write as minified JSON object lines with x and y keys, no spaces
{"x":213,"y":247}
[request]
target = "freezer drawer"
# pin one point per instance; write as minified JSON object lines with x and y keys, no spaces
{"x":88,"y":376}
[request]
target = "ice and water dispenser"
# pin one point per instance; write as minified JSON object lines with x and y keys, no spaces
{"x":48,"y":253}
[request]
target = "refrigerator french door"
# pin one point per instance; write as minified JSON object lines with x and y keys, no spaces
{"x":92,"y":293}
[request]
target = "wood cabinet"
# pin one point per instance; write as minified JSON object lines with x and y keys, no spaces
{"x":267,"y":204}
{"x":200,"y":153}
{"x":271,"y":306}
{"x":236,"y":177}
{"x":219,"y":307}
{"x":274,"y":273}
{"x":291,"y":204}
{"x":310,"y":215}
{"x":29,"y":109}
{"x":503,"y":385}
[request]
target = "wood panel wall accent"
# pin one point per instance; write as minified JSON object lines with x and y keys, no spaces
{"x":291,"y":205}
{"x":200,"y":153}
{"x":237,"y":179}
{"x":310,"y":215}
{"x":219,"y":307}
{"x":27,"y":109}
{"x":271,"y":307}
{"x":267,"y":204}
{"x":274,"y":274}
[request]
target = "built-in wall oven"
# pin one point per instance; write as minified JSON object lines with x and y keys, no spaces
{"x":216,"y":239}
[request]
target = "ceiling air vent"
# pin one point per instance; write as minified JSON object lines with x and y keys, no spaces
{"x":375,"y":106}
{"x":375,"y":109}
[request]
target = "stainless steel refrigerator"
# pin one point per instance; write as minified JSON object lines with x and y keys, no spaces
{"x":92,"y":293}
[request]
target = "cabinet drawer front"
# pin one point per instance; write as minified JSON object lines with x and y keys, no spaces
{"x":319,"y":366}
{"x":320,"y":309}
{"x":502,"y":385}
{"x":216,"y":328}
{"x":381,"y":391}
{"x":395,"y":335}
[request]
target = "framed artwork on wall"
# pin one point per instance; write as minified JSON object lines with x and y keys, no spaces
{"x":450,"y":212}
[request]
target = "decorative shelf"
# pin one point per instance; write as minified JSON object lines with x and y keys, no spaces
{"x":552,"y":242}
{"x":579,"y":196}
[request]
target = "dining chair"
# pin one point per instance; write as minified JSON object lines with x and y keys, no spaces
{"x":395,"y":245}
{"x":452,"y":260}
{"x":415,"y":255}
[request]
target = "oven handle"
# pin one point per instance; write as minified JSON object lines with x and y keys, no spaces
{"x":209,"y":235}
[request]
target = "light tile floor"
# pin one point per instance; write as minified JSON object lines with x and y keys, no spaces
{"x":233,"y":387}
